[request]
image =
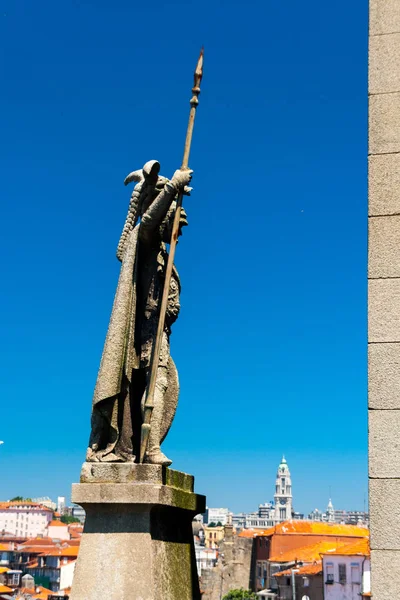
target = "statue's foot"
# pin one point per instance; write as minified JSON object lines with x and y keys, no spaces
{"x":157,"y":458}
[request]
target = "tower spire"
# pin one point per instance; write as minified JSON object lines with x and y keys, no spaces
{"x":283,"y":492}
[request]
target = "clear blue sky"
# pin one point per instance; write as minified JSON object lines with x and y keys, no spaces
{"x":271,"y":341}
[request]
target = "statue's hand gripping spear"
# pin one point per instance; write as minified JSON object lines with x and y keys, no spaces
{"x":155,"y":357}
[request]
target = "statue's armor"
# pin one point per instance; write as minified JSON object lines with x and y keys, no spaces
{"x":118,"y":401}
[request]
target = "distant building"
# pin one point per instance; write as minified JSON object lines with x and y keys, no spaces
{"x":271,"y":513}
{"x":24,"y":519}
{"x":344,"y":517}
{"x":46,"y":501}
{"x":216,"y":515}
{"x":291,"y":543}
{"x":347,"y":572}
{"x":307,"y":581}
{"x":58,"y":530}
{"x":213,"y":536}
{"x":283,"y":493}
{"x":61,"y":504}
{"x":206,"y":558}
{"x":330,"y":512}
{"x":78,"y":513}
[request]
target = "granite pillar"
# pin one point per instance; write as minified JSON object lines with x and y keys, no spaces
{"x":384,"y":296}
{"x":137,"y":542}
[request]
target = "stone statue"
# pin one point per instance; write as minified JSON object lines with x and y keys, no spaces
{"x":118,"y":401}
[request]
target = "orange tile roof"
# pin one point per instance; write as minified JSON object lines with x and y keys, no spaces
{"x":57,"y":524}
{"x":4,"y":589}
{"x":68,"y":551}
{"x":75,"y":542}
{"x":40,"y":592}
{"x":8,"y":505}
{"x":314,"y":569}
{"x":5,"y":547}
{"x":308,"y":554}
{"x":4,"y":569}
{"x":360,"y":548}
{"x":250,"y":533}
{"x":37,"y":549}
{"x":40,"y":541}
{"x":314,"y":528}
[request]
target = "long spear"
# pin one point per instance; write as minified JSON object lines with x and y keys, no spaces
{"x":155,"y":357}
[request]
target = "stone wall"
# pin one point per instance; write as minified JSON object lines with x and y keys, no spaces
{"x":234,"y":569}
{"x":384,"y":296}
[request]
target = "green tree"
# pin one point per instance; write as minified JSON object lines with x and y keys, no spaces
{"x":67,"y":519}
{"x":241,"y":594}
{"x":212,"y":524}
{"x":219,"y":524}
{"x":20,"y":499}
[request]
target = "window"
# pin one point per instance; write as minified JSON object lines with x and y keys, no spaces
{"x":282,"y":513}
{"x":342,"y":574}
{"x":283,"y":482}
{"x":355,"y":573}
{"x":329,"y":573}
{"x":306,"y":582}
{"x":258,"y":569}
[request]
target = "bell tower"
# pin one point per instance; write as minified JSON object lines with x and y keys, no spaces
{"x":283,"y":493}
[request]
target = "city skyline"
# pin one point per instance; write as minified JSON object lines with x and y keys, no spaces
{"x":306,"y":504}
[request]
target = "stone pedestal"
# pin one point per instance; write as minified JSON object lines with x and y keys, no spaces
{"x":137,"y":542}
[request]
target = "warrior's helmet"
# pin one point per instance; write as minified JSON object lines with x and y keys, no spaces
{"x":149,"y":185}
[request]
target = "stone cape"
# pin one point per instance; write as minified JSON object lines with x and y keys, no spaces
{"x":119,"y":359}
{"x":138,"y":541}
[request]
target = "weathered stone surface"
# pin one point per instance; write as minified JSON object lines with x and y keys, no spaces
{"x":384,"y":310}
{"x":384,"y":123}
{"x":385,"y":564}
{"x":140,"y":534}
{"x":384,"y":246}
{"x":384,"y":184}
{"x":384,"y":376}
{"x":140,"y":493}
{"x":146,"y":552}
{"x":233,"y":571}
{"x":139,"y":473}
{"x":385,"y":514}
{"x":384,"y":444}
{"x":384,"y":72}
{"x":384,"y":16}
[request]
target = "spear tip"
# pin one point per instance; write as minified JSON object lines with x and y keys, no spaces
{"x":198,"y":74}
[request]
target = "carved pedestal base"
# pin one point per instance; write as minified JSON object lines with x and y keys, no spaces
{"x":137,"y":542}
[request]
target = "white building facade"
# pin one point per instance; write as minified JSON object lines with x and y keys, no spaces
{"x":346,"y":577}
{"x":217,"y":515}
{"x":24,"y":519}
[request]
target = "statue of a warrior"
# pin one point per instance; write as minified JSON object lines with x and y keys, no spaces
{"x":118,"y":402}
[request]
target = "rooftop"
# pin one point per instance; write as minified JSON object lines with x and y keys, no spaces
{"x":39,"y":593}
{"x":307,"y":554}
{"x":313,"y":569}
{"x":308,"y":528}
{"x":360,"y":548}
{"x":24,"y":505}
{"x":4,"y":589}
